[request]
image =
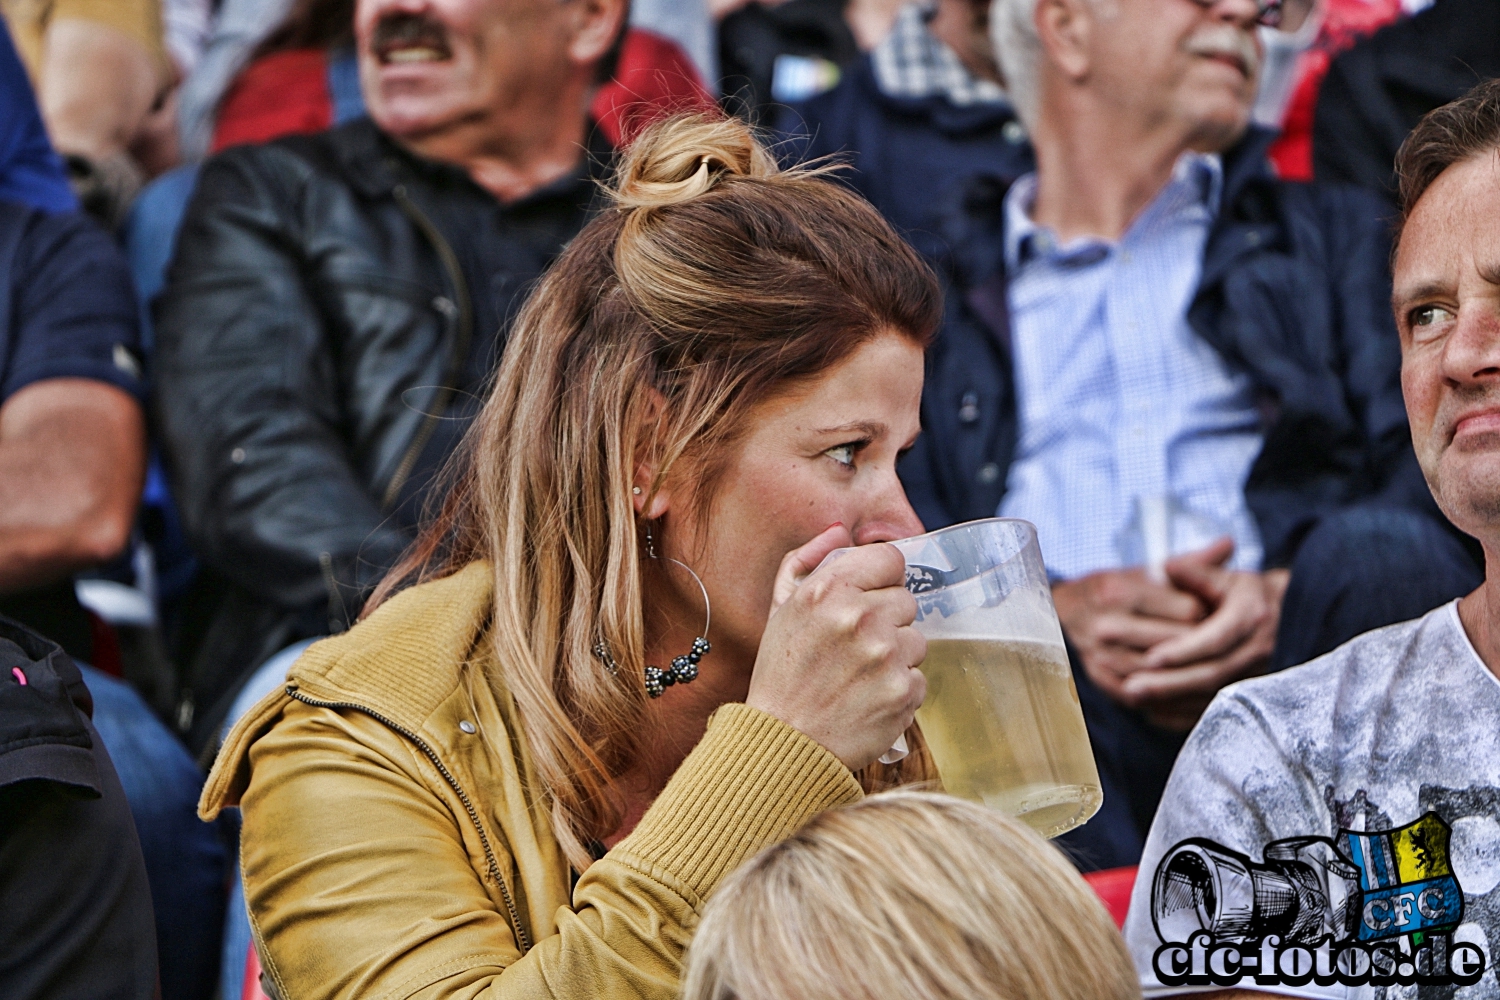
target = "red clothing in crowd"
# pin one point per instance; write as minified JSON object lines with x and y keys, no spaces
{"x":1344,"y":23}
{"x":287,"y":93}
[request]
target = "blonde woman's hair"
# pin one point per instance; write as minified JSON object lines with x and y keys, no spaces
{"x":715,"y":282}
{"x":908,"y":896}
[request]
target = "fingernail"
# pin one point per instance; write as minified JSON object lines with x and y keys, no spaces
{"x":835,"y":524}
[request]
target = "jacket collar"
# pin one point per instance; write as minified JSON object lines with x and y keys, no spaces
{"x":373,"y":163}
{"x":398,"y":665}
{"x":1248,"y":217}
{"x":937,"y":110}
{"x":391,"y":668}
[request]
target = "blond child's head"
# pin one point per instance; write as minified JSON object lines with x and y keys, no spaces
{"x":908,"y":896}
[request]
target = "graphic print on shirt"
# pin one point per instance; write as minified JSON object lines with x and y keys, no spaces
{"x":1366,"y":907}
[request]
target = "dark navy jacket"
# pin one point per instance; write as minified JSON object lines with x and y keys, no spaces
{"x":911,"y":157}
{"x":1295,"y":292}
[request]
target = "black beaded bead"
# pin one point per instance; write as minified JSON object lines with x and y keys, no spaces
{"x":602,"y":652}
{"x":684,"y":669}
{"x":654,"y":686}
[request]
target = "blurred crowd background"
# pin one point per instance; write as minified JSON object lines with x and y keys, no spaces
{"x":196,"y":560}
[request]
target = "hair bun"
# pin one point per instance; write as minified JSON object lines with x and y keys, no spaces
{"x":684,"y":156}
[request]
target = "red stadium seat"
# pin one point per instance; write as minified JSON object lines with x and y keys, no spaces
{"x":1114,"y":886}
{"x":251,"y":990}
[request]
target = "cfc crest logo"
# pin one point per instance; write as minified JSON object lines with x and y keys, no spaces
{"x":1374,"y":908}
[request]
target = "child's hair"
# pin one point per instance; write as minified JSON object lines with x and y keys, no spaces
{"x":908,"y":896}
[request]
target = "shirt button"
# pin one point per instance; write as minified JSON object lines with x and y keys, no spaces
{"x":237,"y":456}
{"x":1013,"y":132}
{"x":467,"y":727}
{"x":988,"y":473}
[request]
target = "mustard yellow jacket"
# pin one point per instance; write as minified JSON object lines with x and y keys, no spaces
{"x":396,"y":841}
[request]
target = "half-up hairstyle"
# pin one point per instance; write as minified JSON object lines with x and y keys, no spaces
{"x":714,"y":282}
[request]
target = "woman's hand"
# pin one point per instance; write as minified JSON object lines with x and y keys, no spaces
{"x":839,"y":656}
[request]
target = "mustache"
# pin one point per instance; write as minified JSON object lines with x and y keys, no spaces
{"x":1225,"y":40}
{"x":403,"y":30}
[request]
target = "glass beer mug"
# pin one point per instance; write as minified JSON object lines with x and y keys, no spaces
{"x":1001,"y":716}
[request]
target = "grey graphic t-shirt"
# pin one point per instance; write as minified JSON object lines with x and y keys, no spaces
{"x":1334,"y":830}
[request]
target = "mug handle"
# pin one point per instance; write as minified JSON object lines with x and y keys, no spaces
{"x":899,"y":749}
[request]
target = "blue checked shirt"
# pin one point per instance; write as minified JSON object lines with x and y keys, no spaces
{"x":1118,"y":397}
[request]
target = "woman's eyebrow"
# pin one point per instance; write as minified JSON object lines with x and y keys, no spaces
{"x":872,"y":430}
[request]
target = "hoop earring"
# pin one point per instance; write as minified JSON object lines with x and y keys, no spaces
{"x":684,"y":668}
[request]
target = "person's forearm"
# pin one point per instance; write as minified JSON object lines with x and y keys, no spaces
{"x":96,"y":86}
{"x":72,"y":461}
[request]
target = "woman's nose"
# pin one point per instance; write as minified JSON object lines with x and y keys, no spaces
{"x":890,"y":519}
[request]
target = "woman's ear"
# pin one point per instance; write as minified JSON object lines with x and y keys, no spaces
{"x":647,"y":469}
{"x":648,"y":505}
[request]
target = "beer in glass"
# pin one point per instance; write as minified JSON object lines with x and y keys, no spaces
{"x":1001,"y":717}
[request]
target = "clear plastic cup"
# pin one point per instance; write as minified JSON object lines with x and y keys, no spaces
{"x":1001,"y":717}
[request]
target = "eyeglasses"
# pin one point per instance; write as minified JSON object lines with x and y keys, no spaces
{"x":1267,"y":12}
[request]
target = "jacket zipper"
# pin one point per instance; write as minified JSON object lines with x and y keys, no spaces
{"x":463,"y":334}
{"x":522,"y":938}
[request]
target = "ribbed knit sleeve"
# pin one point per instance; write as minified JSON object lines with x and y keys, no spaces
{"x":751,"y":782}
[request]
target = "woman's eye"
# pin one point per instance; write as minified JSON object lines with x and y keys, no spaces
{"x":843,"y":454}
{"x":1430,"y":316}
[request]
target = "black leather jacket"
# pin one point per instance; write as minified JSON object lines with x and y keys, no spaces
{"x":332,"y":312}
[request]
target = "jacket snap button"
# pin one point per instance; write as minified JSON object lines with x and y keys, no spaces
{"x":467,"y":727}
{"x":989,"y":472}
{"x":1014,"y":132}
{"x":968,"y":408}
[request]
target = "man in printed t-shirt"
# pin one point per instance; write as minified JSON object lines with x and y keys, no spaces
{"x":1334,"y":830}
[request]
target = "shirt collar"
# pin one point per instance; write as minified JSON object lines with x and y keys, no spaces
{"x":1197,"y":185}
{"x":912,"y":63}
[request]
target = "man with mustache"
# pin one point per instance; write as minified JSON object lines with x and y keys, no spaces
{"x":337,"y":302}
{"x":1387,"y":746}
{"x":1184,"y":372}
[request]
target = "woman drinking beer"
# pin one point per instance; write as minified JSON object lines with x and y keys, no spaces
{"x":610,"y":670}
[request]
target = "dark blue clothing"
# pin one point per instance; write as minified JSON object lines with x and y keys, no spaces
{"x":67,"y":309}
{"x":187,"y":860}
{"x":911,"y":158}
{"x":30,"y":172}
{"x":1295,"y":293}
